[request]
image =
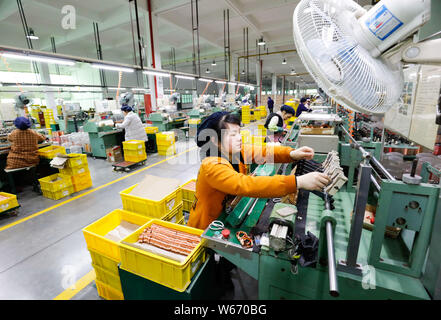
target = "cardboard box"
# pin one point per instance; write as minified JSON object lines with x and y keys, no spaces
{"x":114,"y":154}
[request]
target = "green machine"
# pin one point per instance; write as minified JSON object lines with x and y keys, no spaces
{"x":102,"y":136}
{"x":167,"y":122}
{"x":74,"y":120}
{"x":352,"y":261}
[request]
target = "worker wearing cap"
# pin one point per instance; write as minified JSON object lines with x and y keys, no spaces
{"x":275,"y":122}
{"x":222,"y":174}
{"x":24,"y":145}
{"x":302,"y":107}
{"x":132,"y":125}
{"x":270,"y":105}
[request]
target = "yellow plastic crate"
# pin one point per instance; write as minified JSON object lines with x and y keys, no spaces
{"x":134,"y":145}
{"x":182,"y":221}
{"x":135,"y":153}
{"x":108,"y":278}
{"x":151,"y":208}
{"x":107,"y":292}
{"x":49,"y":184}
{"x":9,"y":203}
{"x":151,"y":130}
{"x":258,"y":140}
{"x":187,"y":205}
{"x":95,"y":232}
{"x":188,"y":194}
{"x":82,"y":185}
{"x":194,"y":121}
{"x":104,"y":262}
{"x":75,"y":170}
{"x":135,"y":158}
{"x":176,"y":215}
{"x":81,"y":178}
{"x":58,"y":194}
{"x":165,"y":138}
{"x":75,"y":160}
{"x":167,"y":272}
{"x":51,"y":151}
{"x":167,"y":153}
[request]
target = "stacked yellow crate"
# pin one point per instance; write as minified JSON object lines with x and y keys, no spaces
{"x":188,"y":194}
{"x":246,"y":114}
{"x":261,"y":130}
{"x":134,"y":150}
{"x":246,"y":136}
{"x":151,"y":130}
{"x":166,"y":143}
{"x":263,"y":112}
{"x":256,"y":114}
{"x":56,"y":186}
{"x":49,"y":117}
{"x":77,"y":169}
{"x":103,"y":239}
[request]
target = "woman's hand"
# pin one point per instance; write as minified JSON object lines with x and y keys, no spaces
{"x":313,"y":181}
{"x":303,"y":153}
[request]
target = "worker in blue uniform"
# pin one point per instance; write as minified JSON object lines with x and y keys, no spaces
{"x":302,"y":107}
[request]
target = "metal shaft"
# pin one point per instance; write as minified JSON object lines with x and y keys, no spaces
{"x":333,"y":286}
{"x":383,"y":170}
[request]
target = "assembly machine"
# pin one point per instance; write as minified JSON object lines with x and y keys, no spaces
{"x":348,"y":260}
{"x":103,"y":135}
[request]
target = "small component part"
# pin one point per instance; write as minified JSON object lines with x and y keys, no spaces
{"x":278,"y":236}
{"x":226,"y":233}
{"x":216,"y":225}
{"x":264,"y":240}
{"x":286,"y":211}
{"x":244,"y":239}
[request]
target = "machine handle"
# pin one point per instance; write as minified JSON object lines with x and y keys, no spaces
{"x":414,"y":166}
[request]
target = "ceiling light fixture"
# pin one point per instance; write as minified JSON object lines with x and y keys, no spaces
{"x":158,"y":74}
{"x":113,"y":88}
{"x":284,"y":61}
{"x":207,"y":71}
{"x":112,"y":68}
{"x":31,"y":35}
{"x":220,"y":82}
{"x":261,"y":42}
{"x":184,"y":77}
{"x":38,"y":58}
{"x":205,"y":80}
{"x":243,"y":72}
{"x":232,"y":83}
{"x":213,"y":63}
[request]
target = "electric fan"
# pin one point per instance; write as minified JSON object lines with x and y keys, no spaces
{"x":355,"y":55}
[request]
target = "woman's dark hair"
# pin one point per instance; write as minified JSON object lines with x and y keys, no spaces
{"x":216,"y":132}
{"x":288,"y":109}
{"x":302,"y":100}
{"x":126,"y":108}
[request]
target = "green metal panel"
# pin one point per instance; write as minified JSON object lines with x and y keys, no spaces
{"x":204,"y":285}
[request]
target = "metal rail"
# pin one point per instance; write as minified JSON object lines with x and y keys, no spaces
{"x":332,"y":269}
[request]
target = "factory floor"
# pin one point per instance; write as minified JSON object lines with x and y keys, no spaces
{"x":43,"y":251}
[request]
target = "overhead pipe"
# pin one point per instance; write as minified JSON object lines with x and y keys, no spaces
{"x":258,"y":55}
{"x":149,"y":8}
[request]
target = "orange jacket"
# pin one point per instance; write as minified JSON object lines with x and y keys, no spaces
{"x":217,"y":179}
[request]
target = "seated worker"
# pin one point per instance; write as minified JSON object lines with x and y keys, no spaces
{"x":24,"y":145}
{"x":302,"y":107}
{"x":222,"y":174}
{"x":275,"y":122}
{"x":132,"y":125}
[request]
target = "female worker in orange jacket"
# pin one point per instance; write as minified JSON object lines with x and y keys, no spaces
{"x":223,"y":169}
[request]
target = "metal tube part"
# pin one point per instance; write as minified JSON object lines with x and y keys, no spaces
{"x":375,"y":183}
{"x":333,"y":285}
{"x":382,"y":169}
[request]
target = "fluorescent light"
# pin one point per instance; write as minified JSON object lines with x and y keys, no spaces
{"x":207,"y":71}
{"x":113,"y":68}
{"x":117,"y":88}
{"x":184,"y":77}
{"x":241,"y":85}
{"x":158,"y":74}
{"x":205,"y":80}
{"x":138,"y":89}
{"x":232,"y":83}
{"x":243,"y":72}
{"x":32,"y":35}
{"x":261,"y":42}
{"x":284,"y":61}
{"x":221,"y":82}
{"x":38,"y":58}
{"x":213,"y":63}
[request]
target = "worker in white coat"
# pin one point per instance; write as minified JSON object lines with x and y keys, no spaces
{"x":132,"y":125}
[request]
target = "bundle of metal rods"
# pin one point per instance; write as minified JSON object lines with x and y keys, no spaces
{"x":307,"y":166}
{"x":169,"y":239}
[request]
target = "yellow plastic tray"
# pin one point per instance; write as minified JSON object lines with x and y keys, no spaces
{"x":47,"y":184}
{"x":135,"y":158}
{"x":81,"y":178}
{"x":58,"y":194}
{"x":151,"y":208}
{"x":151,"y":130}
{"x":107,"y":292}
{"x":188,"y":194}
{"x":166,"y":138}
{"x":9,"y":203}
{"x":167,"y":272}
{"x":76,"y":159}
{"x":51,"y":151}
{"x":82,"y":185}
{"x":176,"y":215}
{"x":187,"y":205}
{"x":104,"y":262}
{"x":95,"y":232}
{"x":108,"y":278}
{"x":134,"y":145}
{"x":75,"y":170}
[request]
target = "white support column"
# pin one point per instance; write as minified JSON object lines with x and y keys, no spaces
{"x":45,"y":78}
{"x":274,"y":86}
{"x":258,"y":76}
